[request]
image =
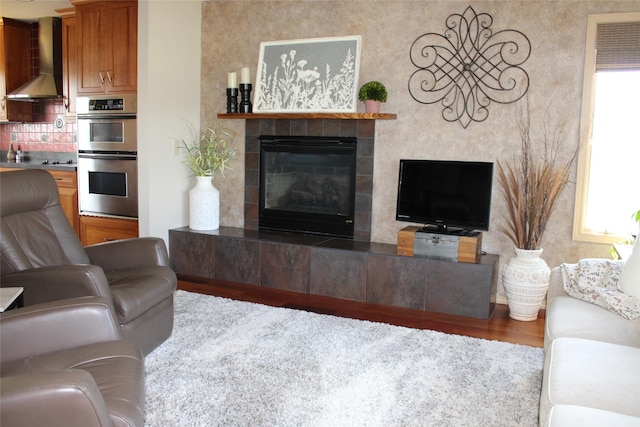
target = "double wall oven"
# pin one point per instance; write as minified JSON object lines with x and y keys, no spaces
{"x":108,"y":155}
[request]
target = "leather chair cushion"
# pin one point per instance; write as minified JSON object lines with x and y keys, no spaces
{"x":117,"y":368}
{"x":136,"y":290}
{"x":35,"y":230}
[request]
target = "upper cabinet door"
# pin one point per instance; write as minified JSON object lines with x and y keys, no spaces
{"x":91,"y":45}
{"x":15,"y":68}
{"x":107,"y":47}
{"x":69,"y":63}
{"x":123,"y":58}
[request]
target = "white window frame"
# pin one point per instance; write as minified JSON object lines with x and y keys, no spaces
{"x":580,"y":231}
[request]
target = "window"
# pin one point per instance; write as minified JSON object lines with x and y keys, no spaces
{"x":608,"y":183}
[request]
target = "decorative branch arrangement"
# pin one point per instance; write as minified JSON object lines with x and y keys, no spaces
{"x":468,"y":67}
{"x":531,"y":183}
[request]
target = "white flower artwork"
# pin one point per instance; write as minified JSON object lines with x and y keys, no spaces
{"x":308,"y":75}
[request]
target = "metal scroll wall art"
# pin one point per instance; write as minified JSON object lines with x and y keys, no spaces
{"x":468,"y":67}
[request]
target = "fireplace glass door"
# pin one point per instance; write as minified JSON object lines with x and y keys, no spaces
{"x":307,"y":184}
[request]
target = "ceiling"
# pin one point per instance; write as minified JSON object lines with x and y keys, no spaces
{"x":31,"y":10}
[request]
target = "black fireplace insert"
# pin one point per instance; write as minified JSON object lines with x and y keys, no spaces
{"x":307,"y":184}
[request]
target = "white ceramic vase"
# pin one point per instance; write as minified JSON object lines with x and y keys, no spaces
{"x":204,"y":205}
{"x":525,"y":279}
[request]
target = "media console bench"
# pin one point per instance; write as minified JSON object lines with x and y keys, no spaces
{"x":340,"y":268}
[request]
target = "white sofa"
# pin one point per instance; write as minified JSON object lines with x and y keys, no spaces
{"x":592,"y":363}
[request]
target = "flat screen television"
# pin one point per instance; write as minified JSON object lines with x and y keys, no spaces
{"x":445,"y":196}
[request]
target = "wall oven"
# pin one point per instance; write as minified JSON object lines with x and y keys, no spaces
{"x":107,"y":155}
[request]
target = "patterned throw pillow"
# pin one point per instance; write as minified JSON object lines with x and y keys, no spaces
{"x":630,"y":274}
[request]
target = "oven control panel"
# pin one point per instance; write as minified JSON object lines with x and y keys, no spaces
{"x":115,"y":104}
{"x":107,"y":105}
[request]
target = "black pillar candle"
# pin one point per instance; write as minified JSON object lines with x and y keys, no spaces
{"x":245,"y":94}
{"x":232,"y":100}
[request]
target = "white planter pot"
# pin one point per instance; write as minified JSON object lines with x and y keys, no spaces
{"x":525,"y":279}
{"x":204,"y":205}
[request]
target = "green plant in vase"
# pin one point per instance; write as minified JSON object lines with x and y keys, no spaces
{"x":209,"y":152}
{"x":372,"y":94}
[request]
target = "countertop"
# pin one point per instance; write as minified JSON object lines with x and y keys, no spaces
{"x":39,"y":165}
{"x":34,"y":159}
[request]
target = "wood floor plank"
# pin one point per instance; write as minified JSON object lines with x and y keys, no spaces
{"x":499,"y":327}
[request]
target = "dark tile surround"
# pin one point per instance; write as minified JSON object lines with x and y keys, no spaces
{"x":363,"y":130}
{"x":339,"y":268}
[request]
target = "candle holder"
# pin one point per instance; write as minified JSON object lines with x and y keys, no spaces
{"x":245,"y":94}
{"x":232,"y":100}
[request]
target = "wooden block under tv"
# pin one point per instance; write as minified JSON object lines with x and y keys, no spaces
{"x":469,"y":248}
{"x":406,"y":238}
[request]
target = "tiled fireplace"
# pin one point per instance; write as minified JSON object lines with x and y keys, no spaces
{"x":362,"y":130}
{"x":357,"y":269}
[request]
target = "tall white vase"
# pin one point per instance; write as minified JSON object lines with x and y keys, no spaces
{"x":204,"y":205}
{"x":525,"y":279}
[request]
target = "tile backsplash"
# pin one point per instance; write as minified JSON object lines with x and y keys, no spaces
{"x":46,"y":133}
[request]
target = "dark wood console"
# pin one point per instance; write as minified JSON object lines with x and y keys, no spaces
{"x":339,"y":268}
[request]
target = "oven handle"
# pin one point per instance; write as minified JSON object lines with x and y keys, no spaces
{"x":105,"y":156}
{"x":106,"y":116}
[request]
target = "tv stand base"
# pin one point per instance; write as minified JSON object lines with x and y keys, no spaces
{"x":353,"y":270}
{"x":453,"y":245}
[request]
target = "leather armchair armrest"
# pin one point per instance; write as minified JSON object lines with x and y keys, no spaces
{"x":58,"y":325}
{"x":59,"y":282}
{"x":129,"y":253}
{"x":67,"y":398}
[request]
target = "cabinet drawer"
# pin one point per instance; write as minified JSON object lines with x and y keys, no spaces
{"x":66,"y":179}
{"x":102,"y":229}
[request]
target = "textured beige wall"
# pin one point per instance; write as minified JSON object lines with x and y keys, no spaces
{"x":231,"y":36}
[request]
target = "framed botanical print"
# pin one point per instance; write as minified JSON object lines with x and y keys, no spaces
{"x":308,"y":75}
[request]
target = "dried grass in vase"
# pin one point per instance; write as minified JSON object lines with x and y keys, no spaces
{"x":532,"y":183}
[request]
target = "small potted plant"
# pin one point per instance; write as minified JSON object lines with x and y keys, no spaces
{"x":208,"y":154}
{"x":372,"y":94}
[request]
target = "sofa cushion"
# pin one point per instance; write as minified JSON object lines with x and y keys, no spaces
{"x":591,"y":374}
{"x":630,"y":274}
{"x":570,"y":415}
{"x":570,"y":317}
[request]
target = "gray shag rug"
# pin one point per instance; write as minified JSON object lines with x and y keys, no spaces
{"x":231,"y":363}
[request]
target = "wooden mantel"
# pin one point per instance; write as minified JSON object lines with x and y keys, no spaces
{"x":293,"y":116}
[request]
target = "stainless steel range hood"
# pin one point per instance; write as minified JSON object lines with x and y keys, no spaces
{"x":48,"y":85}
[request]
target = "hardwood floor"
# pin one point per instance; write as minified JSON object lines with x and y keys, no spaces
{"x":499,"y":327}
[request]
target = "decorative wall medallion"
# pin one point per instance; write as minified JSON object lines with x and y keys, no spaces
{"x":468,"y":67}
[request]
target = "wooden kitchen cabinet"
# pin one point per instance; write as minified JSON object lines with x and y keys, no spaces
{"x":68,"y":188}
{"x":69,"y":62}
{"x":107,"y":37}
{"x":15,"y":68}
{"x":95,"y":229}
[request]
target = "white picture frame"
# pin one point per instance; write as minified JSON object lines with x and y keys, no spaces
{"x":308,"y":75}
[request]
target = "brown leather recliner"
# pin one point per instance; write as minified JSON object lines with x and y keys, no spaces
{"x":41,"y":253}
{"x":64,"y":363}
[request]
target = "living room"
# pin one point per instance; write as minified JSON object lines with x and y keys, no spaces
{"x":231,"y":34}
{"x":187,"y":48}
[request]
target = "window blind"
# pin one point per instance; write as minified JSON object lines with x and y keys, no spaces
{"x":618,"y":46}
